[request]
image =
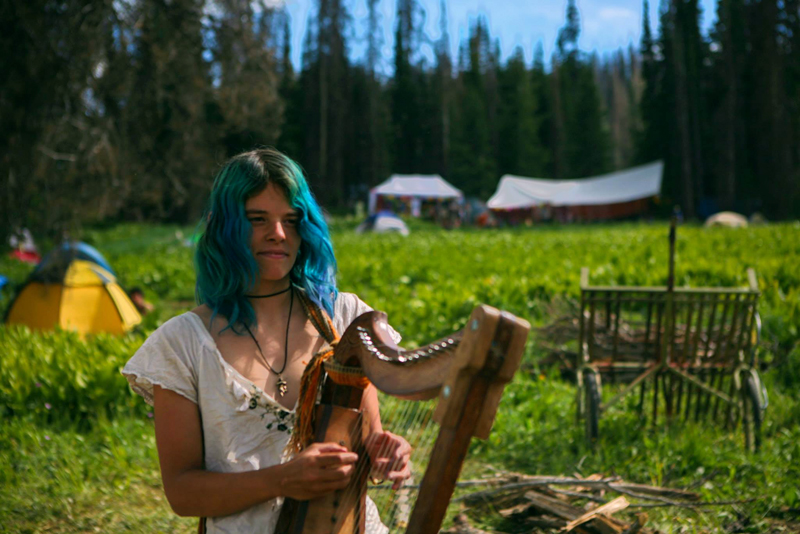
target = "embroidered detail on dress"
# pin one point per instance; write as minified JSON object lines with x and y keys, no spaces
{"x":281,"y":420}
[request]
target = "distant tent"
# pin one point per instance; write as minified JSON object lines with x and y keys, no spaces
{"x":617,"y":194}
{"x":727,"y":218}
{"x":382,"y":222}
{"x":416,"y":187}
{"x":73,"y":288}
{"x":70,"y":250}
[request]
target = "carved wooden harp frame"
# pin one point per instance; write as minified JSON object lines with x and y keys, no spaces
{"x":468,"y":371}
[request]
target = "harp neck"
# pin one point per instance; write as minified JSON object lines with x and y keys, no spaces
{"x":408,"y":374}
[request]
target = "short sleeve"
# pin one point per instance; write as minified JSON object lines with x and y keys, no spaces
{"x":166,"y":359}
{"x":348,"y":307}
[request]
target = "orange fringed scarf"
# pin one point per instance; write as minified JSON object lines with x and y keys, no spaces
{"x":305,"y":419}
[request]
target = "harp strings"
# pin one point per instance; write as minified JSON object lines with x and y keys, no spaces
{"x":412,"y":421}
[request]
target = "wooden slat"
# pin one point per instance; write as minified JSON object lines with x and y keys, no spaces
{"x":648,"y":324}
{"x":616,"y":328}
{"x":590,"y":338}
{"x":723,"y":329}
{"x":698,"y":329}
{"x":710,"y":328}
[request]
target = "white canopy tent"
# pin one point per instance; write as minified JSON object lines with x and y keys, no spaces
{"x":415,"y":186}
{"x":515,"y":192}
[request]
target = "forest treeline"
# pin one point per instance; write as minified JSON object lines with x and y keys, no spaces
{"x":124,"y":109}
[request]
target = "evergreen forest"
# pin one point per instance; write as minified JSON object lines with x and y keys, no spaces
{"x":115,"y":110}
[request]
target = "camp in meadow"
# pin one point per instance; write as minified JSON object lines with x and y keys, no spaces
{"x":407,"y":267}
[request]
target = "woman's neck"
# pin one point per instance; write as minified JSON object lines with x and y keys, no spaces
{"x":271,"y":300}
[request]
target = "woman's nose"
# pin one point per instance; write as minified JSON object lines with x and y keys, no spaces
{"x":277,"y":232}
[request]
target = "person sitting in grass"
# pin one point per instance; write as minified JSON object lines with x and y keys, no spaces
{"x":224,"y":378}
{"x":136,"y":295}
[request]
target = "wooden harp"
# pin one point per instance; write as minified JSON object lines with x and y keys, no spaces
{"x":466,"y":371}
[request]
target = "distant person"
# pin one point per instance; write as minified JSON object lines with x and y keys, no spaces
{"x":137,"y":297}
{"x":25,"y":249}
{"x":677,"y":212}
{"x":224,"y":378}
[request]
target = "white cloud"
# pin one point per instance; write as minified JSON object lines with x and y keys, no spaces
{"x":617,"y":14}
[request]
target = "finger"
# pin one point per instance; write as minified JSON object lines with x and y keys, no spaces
{"x":326,"y":482}
{"x":328,"y":447}
{"x":404,"y":448}
{"x":337,"y":458}
{"x":397,"y":478}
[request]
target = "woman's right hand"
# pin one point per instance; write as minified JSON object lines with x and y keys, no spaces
{"x":320,"y":469}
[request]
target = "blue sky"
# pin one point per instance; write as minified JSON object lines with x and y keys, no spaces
{"x":606,"y":25}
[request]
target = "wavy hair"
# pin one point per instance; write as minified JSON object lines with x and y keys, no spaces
{"x":226,"y":268}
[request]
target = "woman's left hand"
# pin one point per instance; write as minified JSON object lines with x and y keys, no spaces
{"x":390,"y":455}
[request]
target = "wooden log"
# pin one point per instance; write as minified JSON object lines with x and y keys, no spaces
{"x":620,"y":503}
{"x":553,"y":506}
{"x":606,"y":525}
{"x":517,"y":510}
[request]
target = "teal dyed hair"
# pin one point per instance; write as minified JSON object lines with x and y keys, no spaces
{"x":226,"y":268}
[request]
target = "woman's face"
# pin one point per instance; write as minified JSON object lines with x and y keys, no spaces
{"x":275,"y":241}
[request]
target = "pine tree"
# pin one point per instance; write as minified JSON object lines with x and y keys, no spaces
{"x":649,"y":139}
{"x":442,"y":89}
{"x":582,"y":140}
{"x":406,"y":98}
{"x":543,"y":96}
{"x":472,"y":155}
{"x":249,"y":77}
{"x":173,"y":90}
{"x":521,"y":152}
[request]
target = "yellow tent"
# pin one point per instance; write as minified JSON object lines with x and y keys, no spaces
{"x":87,"y":299}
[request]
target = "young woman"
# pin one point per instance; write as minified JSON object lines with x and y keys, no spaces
{"x":224,"y":378}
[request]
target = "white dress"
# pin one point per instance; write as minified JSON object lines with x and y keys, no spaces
{"x":244,"y":429}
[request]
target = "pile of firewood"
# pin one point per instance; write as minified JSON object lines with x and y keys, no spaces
{"x":568,"y":504}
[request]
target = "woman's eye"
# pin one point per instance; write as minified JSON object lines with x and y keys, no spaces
{"x":292,"y":221}
{"x":254,"y":220}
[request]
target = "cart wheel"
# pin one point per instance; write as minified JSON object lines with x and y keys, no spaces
{"x":591,"y":406}
{"x":752,"y":416}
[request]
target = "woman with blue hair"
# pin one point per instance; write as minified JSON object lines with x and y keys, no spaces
{"x":224,"y":379}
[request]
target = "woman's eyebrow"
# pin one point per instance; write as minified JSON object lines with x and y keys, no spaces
{"x":290,"y":213}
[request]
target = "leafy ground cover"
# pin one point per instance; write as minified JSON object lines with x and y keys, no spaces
{"x":77,"y":451}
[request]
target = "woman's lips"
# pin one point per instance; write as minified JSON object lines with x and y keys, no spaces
{"x":274,"y":255}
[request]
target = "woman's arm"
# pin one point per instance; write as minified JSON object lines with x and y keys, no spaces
{"x":193,"y":491}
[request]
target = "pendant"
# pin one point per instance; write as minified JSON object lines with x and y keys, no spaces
{"x":282,"y":386}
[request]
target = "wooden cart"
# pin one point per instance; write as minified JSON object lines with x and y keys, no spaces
{"x":695,"y":348}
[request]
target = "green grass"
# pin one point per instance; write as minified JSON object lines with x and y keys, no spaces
{"x":98,"y":471}
{"x":56,"y":479}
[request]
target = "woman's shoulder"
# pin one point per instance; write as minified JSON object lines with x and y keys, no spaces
{"x":168,"y":358}
{"x":348,"y":306}
{"x":184,"y":335}
{"x":181,"y":327}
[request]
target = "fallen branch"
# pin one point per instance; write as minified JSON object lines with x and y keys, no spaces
{"x":579,"y":495}
{"x":620,"y":503}
{"x":694,"y":504}
{"x":533,"y":482}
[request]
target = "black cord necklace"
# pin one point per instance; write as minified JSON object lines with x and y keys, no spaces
{"x":282,"y":384}
{"x":281,"y":292}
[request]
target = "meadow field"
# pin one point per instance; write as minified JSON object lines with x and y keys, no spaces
{"x":77,"y":448}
